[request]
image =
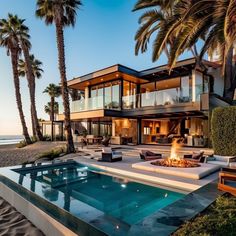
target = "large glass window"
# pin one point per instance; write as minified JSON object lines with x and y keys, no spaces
{"x":198,"y":86}
{"x":206,"y":84}
{"x":129,"y":95}
{"x":168,"y":91}
{"x":116,"y":95}
{"x":107,"y":94}
{"x":101,"y":128}
{"x":185,"y":89}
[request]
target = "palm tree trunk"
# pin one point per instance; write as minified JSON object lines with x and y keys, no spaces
{"x":31,"y":85}
{"x":52,"y":117}
{"x":65,"y":93}
{"x":14,"y":61}
{"x":32,"y":121}
{"x":229,"y":77}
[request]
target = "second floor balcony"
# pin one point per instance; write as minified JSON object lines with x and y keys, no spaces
{"x":148,"y":99}
{"x":156,"y":98}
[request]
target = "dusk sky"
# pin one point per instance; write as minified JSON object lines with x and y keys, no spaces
{"x":103,"y":36}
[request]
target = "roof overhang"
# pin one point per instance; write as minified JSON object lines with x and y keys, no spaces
{"x":106,"y":75}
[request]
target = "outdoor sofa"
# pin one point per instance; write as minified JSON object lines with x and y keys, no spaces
{"x":148,"y":155}
{"x":196,"y":157}
{"x":109,"y":155}
{"x":223,"y":161}
{"x":227,"y":180}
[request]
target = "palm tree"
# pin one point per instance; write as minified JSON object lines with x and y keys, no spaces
{"x":24,"y":39}
{"x":75,"y":94}
{"x":53,"y":91}
{"x":37,"y":71}
{"x":214,"y":22}
{"x":62,"y":13}
{"x":9,"y":32}
{"x":48,"y":108}
{"x":157,"y":18}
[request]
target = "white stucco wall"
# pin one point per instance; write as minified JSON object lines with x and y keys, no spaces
{"x":218,"y":80}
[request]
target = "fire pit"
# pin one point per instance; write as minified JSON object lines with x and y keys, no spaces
{"x":175,"y":160}
{"x":180,"y":163}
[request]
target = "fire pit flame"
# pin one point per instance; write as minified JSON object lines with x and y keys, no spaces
{"x":175,"y":160}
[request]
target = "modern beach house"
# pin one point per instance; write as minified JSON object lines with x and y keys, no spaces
{"x":152,"y":106}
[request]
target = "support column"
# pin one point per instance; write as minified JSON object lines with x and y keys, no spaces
{"x":193,"y":85}
{"x":113,"y":126}
{"x":86,"y":97}
{"x":139,"y":130}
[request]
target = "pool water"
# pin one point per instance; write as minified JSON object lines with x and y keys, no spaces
{"x":86,"y":192}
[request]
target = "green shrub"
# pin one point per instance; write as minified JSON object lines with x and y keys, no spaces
{"x":33,"y":139}
{"x":54,"y":153}
{"x":218,"y":219}
{"x":21,"y":144}
{"x":223,"y":130}
{"x":46,"y":138}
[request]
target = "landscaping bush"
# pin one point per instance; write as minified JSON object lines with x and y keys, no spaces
{"x":21,"y":144}
{"x":54,"y":153}
{"x":223,"y":130}
{"x":46,"y":138}
{"x":219,"y":219}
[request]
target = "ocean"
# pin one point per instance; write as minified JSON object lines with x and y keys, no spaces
{"x":10,"y":139}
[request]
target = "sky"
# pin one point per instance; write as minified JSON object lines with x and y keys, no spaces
{"x":103,"y":36}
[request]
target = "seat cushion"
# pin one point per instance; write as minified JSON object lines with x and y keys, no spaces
{"x":222,"y":158}
{"x":116,"y":155}
{"x":219,"y":163}
{"x":149,"y":158}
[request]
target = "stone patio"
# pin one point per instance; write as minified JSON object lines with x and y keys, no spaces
{"x":131,"y":156}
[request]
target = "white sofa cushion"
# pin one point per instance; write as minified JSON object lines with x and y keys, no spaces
{"x":219,"y":163}
{"x":222,"y":158}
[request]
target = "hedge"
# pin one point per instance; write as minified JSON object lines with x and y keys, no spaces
{"x":223,"y":130}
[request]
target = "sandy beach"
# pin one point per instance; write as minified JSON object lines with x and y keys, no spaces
{"x":10,"y":155}
{"x":13,"y":223}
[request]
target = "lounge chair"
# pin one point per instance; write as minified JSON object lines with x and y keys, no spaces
{"x":227,"y":180}
{"x":196,"y":157}
{"x":108,"y":155}
{"x":149,"y":156}
{"x":223,"y":161}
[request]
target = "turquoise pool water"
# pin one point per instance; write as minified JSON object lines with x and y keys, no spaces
{"x":89,"y":193}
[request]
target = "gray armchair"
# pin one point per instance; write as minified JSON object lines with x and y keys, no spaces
{"x":108,"y":155}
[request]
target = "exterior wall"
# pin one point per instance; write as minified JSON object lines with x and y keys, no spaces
{"x":218,"y":80}
{"x":124,"y":128}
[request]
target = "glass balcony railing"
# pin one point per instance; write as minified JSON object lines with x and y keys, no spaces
{"x":163,"y":97}
{"x":156,"y":98}
{"x":150,"y":99}
{"x":131,"y":102}
{"x":95,"y":103}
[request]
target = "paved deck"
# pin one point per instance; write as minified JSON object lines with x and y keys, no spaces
{"x":131,"y":156}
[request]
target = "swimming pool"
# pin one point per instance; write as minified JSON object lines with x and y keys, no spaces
{"x":110,"y":204}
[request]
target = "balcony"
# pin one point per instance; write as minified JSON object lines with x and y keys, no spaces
{"x":90,"y":104}
{"x":150,"y":99}
{"x":156,"y":98}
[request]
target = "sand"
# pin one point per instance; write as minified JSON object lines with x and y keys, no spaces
{"x":10,"y":155}
{"x":13,"y":223}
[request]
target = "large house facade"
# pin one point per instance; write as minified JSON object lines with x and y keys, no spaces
{"x":148,"y":107}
